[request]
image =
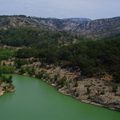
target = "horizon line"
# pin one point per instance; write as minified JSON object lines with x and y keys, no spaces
{"x":58,"y":17}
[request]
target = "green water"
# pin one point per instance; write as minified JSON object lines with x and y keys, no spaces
{"x":35,"y":100}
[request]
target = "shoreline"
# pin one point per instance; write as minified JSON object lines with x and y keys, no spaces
{"x":93,"y":91}
{"x":6,"y":87}
{"x":64,"y":93}
{"x":91,"y":103}
{"x":82,"y":101}
{"x":2,"y":93}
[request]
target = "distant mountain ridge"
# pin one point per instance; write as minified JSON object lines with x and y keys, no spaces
{"x":80,"y":26}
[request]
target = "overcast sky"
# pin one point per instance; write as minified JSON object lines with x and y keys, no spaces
{"x":61,"y":8}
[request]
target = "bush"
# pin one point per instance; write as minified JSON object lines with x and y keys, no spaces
{"x":7,"y":79}
{"x":6,"y":54}
{"x":6,"y":69}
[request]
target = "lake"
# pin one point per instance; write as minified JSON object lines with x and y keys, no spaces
{"x":36,"y":100}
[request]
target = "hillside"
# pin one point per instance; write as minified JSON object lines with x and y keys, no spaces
{"x":80,"y":26}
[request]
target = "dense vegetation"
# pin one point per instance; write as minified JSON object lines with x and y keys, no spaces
{"x":6,"y":79}
{"x":30,"y":36}
{"x":91,"y":57}
{"x":6,"y":54}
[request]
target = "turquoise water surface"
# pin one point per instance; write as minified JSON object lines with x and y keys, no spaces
{"x":35,"y":100}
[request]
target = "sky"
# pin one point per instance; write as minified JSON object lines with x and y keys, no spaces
{"x":93,"y":9}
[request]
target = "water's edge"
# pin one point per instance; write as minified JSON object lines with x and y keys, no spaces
{"x":81,"y":101}
{"x":34,"y":99}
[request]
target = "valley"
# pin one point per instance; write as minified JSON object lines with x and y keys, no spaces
{"x":85,"y":67}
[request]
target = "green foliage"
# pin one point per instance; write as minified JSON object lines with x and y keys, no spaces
{"x":18,"y":37}
{"x":52,"y":47}
{"x":40,"y":74}
{"x":6,"y":79}
{"x":22,"y":71}
{"x":20,"y":62}
{"x":6,"y":53}
{"x":29,"y":36}
{"x":26,"y":53}
{"x":61,"y":82}
{"x":91,"y":57}
{"x":6,"y":69}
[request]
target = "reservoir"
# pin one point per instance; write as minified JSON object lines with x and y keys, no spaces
{"x":36,"y":100}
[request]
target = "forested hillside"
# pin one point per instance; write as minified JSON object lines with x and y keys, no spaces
{"x":91,"y":56}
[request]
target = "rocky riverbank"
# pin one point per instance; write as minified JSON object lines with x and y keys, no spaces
{"x":6,"y":87}
{"x":94,"y":91}
{"x":97,"y":90}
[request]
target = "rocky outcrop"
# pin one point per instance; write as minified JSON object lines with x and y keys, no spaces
{"x":6,"y":87}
